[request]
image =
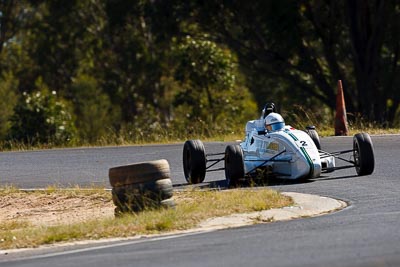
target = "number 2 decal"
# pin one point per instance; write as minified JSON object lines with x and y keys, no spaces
{"x":303,"y":143}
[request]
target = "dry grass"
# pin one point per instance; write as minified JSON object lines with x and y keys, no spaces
{"x":323,"y":130}
{"x":193,"y":207}
{"x":353,"y":130}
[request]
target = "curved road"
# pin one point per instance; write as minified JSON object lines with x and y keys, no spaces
{"x":367,"y":233}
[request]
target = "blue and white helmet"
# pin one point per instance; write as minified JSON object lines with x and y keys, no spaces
{"x":274,"y":122}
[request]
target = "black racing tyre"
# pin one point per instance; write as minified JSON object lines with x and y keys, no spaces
{"x":310,"y":130}
{"x":234,"y":165}
{"x":118,"y":212}
{"x":130,"y":202}
{"x":364,"y":159}
{"x":139,"y":173}
{"x":121,"y":210}
{"x":194,"y":161}
{"x":137,"y":197}
{"x":126,"y":203}
{"x":168,"y":203}
{"x":160,"y":189}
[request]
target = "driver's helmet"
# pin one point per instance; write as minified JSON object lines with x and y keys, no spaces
{"x":274,"y":122}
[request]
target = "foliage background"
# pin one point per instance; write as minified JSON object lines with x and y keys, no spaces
{"x":150,"y":70}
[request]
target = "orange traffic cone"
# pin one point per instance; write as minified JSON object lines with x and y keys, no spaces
{"x":341,"y":126}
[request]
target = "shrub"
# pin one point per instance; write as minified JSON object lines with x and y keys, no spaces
{"x":42,"y":118}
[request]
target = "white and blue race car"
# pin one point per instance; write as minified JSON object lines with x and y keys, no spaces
{"x":273,"y":149}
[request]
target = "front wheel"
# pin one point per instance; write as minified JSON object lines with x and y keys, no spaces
{"x":234,"y":165}
{"x":364,"y":160}
{"x":194,"y":161}
{"x":310,"y":130}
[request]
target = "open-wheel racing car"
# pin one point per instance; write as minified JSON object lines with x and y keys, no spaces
{"x":273,"y":149}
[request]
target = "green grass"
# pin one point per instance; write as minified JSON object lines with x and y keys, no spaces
{"x":193,"y":206}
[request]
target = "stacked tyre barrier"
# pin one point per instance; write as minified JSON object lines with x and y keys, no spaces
{"x":141,"y":186}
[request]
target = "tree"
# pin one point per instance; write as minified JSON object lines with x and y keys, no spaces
{"x":374,"y":32}
{"x":62,"y":37}
{"x":10,"y":20}
{"x":211,"y":88}
{"x":93,"y":109}
{"x":8,"y":88}
{"x":303,"y":48}
{"x":136,"y":46}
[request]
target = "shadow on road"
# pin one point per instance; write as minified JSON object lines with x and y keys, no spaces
{"x":327,"y":178}
{"x":222,"y":185}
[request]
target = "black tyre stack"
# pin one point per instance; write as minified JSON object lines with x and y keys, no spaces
{"x":140,"y":186}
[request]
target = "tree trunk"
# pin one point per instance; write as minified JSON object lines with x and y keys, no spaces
{"x":367,"y":23}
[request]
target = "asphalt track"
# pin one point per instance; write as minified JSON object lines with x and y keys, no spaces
{"x":367,"y":233}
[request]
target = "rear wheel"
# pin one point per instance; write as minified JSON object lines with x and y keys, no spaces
{"x":194,"y":161}
{"x":234,"y":165}
{"x":310,"y":130}
{"x":364,"y":159}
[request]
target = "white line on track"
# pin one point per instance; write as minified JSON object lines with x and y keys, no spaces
{"x":99,"y":247}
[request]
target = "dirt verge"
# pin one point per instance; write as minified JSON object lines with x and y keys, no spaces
{"x":52,"y":209}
